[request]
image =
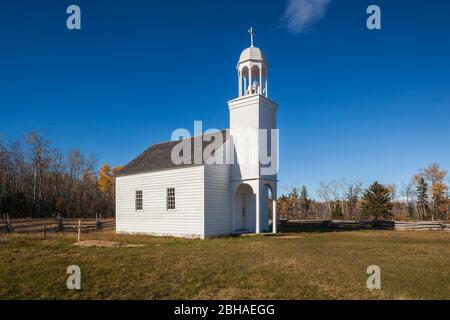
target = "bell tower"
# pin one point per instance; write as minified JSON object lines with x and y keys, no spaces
{"x":253,"y":130}
{"x":252,"y":71}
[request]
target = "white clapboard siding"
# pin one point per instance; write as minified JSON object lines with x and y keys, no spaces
{"x":218,"y":219}
{"x":264,"y":209}
{"x":186,"y":220}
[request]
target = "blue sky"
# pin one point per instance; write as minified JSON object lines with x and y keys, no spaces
{"x":353,"y":103}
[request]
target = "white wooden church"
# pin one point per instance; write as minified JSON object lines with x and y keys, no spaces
{"x":202,"y":199}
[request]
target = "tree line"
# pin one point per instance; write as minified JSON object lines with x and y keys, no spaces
{"x":37,"y":180}
{"x":425,"y":197}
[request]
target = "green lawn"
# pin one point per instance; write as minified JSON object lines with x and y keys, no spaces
{"x":329,"y":265}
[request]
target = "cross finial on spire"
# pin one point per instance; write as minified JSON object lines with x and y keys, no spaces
{"x":251,"y":36}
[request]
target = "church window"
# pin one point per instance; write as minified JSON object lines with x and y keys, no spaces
{"x":170,"y":198}
{"x":139,"y":200}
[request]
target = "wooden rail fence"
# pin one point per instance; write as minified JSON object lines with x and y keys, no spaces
{"x":362,"y":225}
{"x":57,"y":224}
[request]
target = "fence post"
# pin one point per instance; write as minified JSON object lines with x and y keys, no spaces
{"x":8,"y":224}
{"x":60,"y":223}
{"x":45,"y":230}
{"x":98,"y":222}
{"x":79,"y":230}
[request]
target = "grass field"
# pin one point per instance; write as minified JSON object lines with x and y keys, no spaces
{"x":310,"y":265}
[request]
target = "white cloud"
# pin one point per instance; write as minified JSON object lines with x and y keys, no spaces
{"x":302,"y":14}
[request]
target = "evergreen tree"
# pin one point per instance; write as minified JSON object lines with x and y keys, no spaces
{"x":376,"y":202}
{"x":304,"y":201}
{"x":422,"y":196}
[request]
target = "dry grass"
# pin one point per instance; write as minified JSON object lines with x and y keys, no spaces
{"x":104,"y":244}
{"x":414,"y":265}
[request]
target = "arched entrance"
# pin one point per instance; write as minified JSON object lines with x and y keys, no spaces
{"x":267,"y":197}
{"x":243,"y":211}
{"x":268,"y":208}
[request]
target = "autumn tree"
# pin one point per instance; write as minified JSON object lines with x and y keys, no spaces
{"x":440,"y":200}
{"x":435,"y":176}
{"x":283,"y":206}
{"x":106,"y":183}
{"x":105,"y":178}
{"x":116,"y":170}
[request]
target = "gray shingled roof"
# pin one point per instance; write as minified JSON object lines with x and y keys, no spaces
{"x":158,"y":157}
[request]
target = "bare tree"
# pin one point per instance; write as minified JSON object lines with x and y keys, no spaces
{"x":38,"y":150}
{"x":407,"y":194}
{"x":354,"y":191}
{"x":337,"y":189}
{"x":41,"y":181}
{"x":325,"y":193}
{"x":3,"y":173}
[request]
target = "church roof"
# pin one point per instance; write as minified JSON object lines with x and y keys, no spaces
{"x":252,"y":53}
{"x":158,"y":156}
